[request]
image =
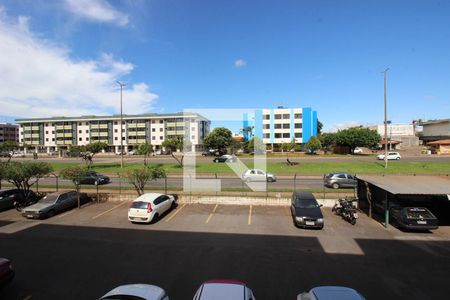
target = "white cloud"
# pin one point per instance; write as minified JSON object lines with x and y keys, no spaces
{"x":39,"y":79}
{"x":97,"y":10}
{"x":239,"y":63}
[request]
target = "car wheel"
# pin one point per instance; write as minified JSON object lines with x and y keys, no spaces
{"x":248,"y":179}
{"x":155,"y":218}
{"x":335,"y":185}
{"x":173,"y":205}
{"x":398,"y":158}
{"x":269,"y":179}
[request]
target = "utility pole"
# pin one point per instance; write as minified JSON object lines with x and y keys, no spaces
{"x":385,"y":122}
{"x":121,"y":124}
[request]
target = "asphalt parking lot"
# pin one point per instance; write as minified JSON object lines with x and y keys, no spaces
{"x":83,"y":253}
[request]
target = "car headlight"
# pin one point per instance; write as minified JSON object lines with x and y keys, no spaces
{"x":320,"y":220}
{"x":300,"y":219}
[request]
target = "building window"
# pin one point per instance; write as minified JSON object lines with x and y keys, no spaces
{"x":115,"y":130}
{"x":80,"y":131}
{"x":46,"y":132}
{"x":153,"y":138}
{"x":193,"y":137}
{"x":286,"y":126}
{"x":286,"y":135}
{"x":298,"y":134}
{"x":161,"y":121}
{"x":53,"y":139}
{"x":266,"y":126}
{"x":116,"y":138}
{"x":277,"y":126}
{"x":153,"y":129}
{"x":87,"y":131}
{"x":298,"y":125}
{"x":46,"y":139}
{"x":286,"y":116}
{"x":53,"y":132}
{"x":160,"y":137}
{"x":278,"y":135}
{"x":79,"y":124}
{"x":80,"y":139}
{"x":160,"y":129}
{"x":278,"y":117}
{"x":266,"y":135}
{"x":115,"y":123}
{"x":123,"y":138}
{"x":297,"y":116}
{"x":87,"y":139}
{"x":266,"y":117}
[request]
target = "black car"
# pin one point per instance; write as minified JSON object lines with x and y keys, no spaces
{"x":92,"y":177}
{"x":414,"y":218}
{"x":8,"y":197}
{"x":306,"y":211}
{"x":6,"y":271}
{"x":225,"y":158}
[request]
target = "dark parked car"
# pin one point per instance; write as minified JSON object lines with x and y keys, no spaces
{"x":54,"y":203}
{"x":6,"y":271}
{"x":225,"y":158}
{"x":331,"y":292}
{"x":414,"y":218}
{"x":92,"y":177}
{"x":306,"y":211}
{"x":8,"y":197}
{"x":338,"y":180}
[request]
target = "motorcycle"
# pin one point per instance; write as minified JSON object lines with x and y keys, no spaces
{"x":344,"y":208}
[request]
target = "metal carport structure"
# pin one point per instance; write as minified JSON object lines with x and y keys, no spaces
{"x":424,"y":188}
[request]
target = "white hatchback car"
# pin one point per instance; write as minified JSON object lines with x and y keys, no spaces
{"x":220,"y":289}
{"x":136,"y":291}
{"x":258,"y":175}
{"x":149,"y":207}
{"x":390,"y":156}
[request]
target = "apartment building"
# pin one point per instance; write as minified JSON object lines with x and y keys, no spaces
{"x":59,"y":133}
{"x":9,"y":133}
{"x":281,"y":125}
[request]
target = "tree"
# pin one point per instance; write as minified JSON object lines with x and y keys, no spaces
{"x":23,"y":175}
{"x":247,"y":131}
{"x":8,"y":146}
{"x":313,"y":144}
{"x":328,"y":140}
{"x":74,"y":173}
{"x":319,"y":127}
{"x":255,"y":145}
{"x":140,"y":177}
{"x":220,"y":139}
{"x":357,"y":137}
{"x":145,"y":149}
{"x":93,"y":148}
{"x":287,"y":147}
{"x":173,"y":145}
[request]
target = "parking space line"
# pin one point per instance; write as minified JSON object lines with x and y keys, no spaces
{"x":107,"y":211}
{"x":211,"y":214}
{"x":250,"y":215}
{"x":175,"y":213}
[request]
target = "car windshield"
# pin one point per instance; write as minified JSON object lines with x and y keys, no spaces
{"x":49,"y":199}
{"x":418,"y":213}
{"x":306,"y":203}
{"x":139,"y":204}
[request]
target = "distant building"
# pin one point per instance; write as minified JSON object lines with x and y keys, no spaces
{"x":9,"y":133}
{"x":60,"y":133}
{"x":434,"y":130}
{"x":281,"y":125}
{"x":403,"y":134}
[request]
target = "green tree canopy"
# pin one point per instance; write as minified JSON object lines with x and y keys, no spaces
{"x":220,"y":139}
{"x":140,"y":177}
{"x":173,"y":144}
{"x":92,"y":149}
{"x":319,"y":127}
{"x":313,"y":144}
{"x":23,"y":175}
{"x":357,"y":137}
{"x":74,"y":173}
{"x":145,"y":149}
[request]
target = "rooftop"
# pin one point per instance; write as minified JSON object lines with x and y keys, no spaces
{"x":410,"y":185}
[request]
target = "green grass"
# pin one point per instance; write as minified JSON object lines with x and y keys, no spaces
{"x":310,"y":168}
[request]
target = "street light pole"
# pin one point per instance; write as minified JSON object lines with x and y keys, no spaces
{"x":385,"y":122}
{"x":121,"y":124}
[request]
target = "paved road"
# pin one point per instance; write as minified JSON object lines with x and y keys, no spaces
{"x":84,"y":253}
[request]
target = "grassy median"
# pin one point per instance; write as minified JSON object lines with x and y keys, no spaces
{"x":279,"y":168}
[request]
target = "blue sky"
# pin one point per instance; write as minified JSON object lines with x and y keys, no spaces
{"x":63,"y":57}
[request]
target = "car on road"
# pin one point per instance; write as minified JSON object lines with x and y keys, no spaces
{"x":17,"y":154}
{"x":331,"y":292}
{"x":337,"y":180}
{"x":414,"y":218}
{"x":225,"y":158}
{"x":258,"y":175}
{"x":54,"y":203}
{"x":92,"y":177}
{"x":9,"y":196}
{"x":220,"y":289}
{"x":6,"y":271}
{"x":357,"y":150}
{"x":138,"y":291}
{"x":390,"y":156}
{"x":149,"y":207}
{"x":306,"y":211}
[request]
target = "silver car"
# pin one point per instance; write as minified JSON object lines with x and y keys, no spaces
{"x":258,"y":175}
{"x":338,"y":180}
{"x":221,"y":289}
{"x":53,"y":203}
{"x":136,"y":291}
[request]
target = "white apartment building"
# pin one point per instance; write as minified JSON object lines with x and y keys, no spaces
{"x":59,"y":133}
{"x":404,"y":133}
